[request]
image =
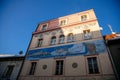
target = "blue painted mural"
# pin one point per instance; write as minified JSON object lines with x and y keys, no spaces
{"x":85,"y":48}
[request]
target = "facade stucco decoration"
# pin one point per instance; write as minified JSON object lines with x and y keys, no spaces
{"x":91,"y":47}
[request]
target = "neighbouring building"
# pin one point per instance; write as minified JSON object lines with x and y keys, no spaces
{"x":68,"y":48}
{"x":10,"y":67}
{"x":113,"y":46}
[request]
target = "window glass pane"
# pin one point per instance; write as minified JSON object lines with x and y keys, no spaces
{"x":59,"y":67}
{"x":8,"y":71}
{"x":94,"y":60}
{"x":44,"y":27}
{"x":96,"y":70}
{"x":84,"y":18}
{"x":63,"y":22}
{"x":92,"y":65}
{"x":87,"y":34}
{"x":40,"y":42}
{"x":53,"y":40}
{"x":32,"y":69}
{"x":70,"y":38}
{"x":61,"y":39}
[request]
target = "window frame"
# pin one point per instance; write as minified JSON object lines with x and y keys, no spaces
{"x":84,"y":17}
{"x":40,"y":42}
{"x":87,"y":36}
{"x":32,"y":68}
{"x":61,"y":39}
{"x":70,"y":37}
{"x":8,"y":71}
{"x":42,"y":27}
{"x":63,"y":22}
{"x":53,"y":41}
{"x":88,"y":66}
{"x":60,"y":67}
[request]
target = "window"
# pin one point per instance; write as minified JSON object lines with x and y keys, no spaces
{"x":59,"y":67}
{"x":92,"y":65}
{"x":63,"y":22}
{"x":61,"y":39}
{"x":70,"y":37}
{"x":44,"y":27}
{"x":8,"y":71}
{"x":87,"y":34}
{"x":83,"y":17}
{"x":53,"y":40}
{"x":40,"y":42}
{"x":32,"y":69}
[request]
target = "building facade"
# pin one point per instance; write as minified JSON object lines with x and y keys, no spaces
{"x":68,"y":48}
{"x":10,"y":67}
{"x":113,"y":46}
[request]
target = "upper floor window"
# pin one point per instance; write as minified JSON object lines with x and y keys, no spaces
{"x":8,"y":71}
{"x":87,"y":34}
{"x":59,"y":67}
{"x":53,"y":40}
{"x":92,"y":65}
{"x":61,"y":39}
{"x":44,"y":27}
{"x":63,"y":22}
{"x":83,"y":17}
{"x":40,"y":41}
{"x":70,"y":37}
{"x":32,"y":69}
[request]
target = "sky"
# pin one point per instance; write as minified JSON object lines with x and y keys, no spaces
{"x":19,"y":18}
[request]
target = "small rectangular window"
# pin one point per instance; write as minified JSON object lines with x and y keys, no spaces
{"x":59,"y":67}
{"x":63,"y":22}
{"x":83,"y":17}
{"x":32,"y":69}
{"x":87,"y":34}
{"x":40,"y":42}
{"x":92,"y":65}
{"x":8,"y":71}
{"x":44,"y":27}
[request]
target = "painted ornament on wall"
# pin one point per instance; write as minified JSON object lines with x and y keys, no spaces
{"x":85,"y":48}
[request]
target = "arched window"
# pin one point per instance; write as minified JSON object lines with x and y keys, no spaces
{"x":61,"y":39}
{"x":70,"y":37}
{"x":40,"y":41}
{"x":53,"y":40}
{"x":87,"y":34}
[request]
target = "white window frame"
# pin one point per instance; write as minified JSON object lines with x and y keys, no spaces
{"x":87,"y":35}
{"x":43,"y":26}
{"x":53,"y":41}
{"x":40,"y":42}
{"x":61,"y":39}
{"x":92,"y":65}
{"x":61,"y":21}
{"x":69,"y":38}
{"x":85,"y":14}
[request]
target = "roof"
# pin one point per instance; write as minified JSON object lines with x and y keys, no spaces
{"x":112,"y":36}
{"x":12,"y":58}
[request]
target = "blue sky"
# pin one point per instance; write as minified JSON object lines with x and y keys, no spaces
{"x":19,"y":18}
